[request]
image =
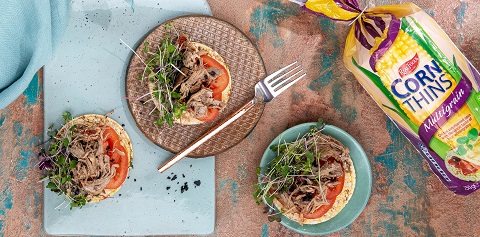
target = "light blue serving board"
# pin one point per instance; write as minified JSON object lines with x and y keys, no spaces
{"x":87,"y":75}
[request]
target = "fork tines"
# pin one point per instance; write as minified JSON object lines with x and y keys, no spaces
{"x":284,"y":78}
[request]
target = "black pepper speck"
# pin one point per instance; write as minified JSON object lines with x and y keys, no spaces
{"x":184,"y":187}
{"x":197,"y":183}
{"x":174,"y":177}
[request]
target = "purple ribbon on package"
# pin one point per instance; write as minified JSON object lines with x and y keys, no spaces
{"x":446,"y":110}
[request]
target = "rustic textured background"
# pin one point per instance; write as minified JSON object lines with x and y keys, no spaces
{"x":407,"y":199}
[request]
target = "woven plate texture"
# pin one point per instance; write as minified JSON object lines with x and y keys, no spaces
{"x":246,"y":69}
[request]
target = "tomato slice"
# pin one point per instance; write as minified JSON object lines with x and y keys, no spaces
{"x":331,"y":196}
{"x":111,"y":144}
{"x":217,"y":96}
{"x":465,"y":166}
{"x":212,"y":114}
{"x":321,"y":210}
{"x":221,"y":82}
{"x":332,"y":193}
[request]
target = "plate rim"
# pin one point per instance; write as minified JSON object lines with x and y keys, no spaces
{"x":192,"y":155}
{"x":292,"y":225}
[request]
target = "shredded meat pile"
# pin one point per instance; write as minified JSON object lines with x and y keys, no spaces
{"x":194,"y":81}
{"x":93,"y":171}
{"x":306,"y":194}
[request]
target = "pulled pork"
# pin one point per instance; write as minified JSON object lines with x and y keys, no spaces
{"x":306,"y":194}
{"x":194,"y":80}
{"x":201,"y":101}
{"x":93,"y":170}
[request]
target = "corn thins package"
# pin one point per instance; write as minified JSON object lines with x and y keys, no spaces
{"x":420,"y":79}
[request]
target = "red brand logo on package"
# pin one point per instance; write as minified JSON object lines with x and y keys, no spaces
{"x":409,"y":66}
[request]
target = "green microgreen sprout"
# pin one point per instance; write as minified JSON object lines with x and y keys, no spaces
{"x":57,"y":164}
{"x":162,"y":67}
{"x":293,"y":160}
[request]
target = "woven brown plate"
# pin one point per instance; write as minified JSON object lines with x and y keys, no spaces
{"x":246,"y":69}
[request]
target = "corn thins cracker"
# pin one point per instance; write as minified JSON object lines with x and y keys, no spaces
{"x":420,"y":79}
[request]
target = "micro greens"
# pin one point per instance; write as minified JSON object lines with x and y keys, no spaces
{"x":293,"y":160}
{"x":57,"y":165}
{"x":162,"y":67}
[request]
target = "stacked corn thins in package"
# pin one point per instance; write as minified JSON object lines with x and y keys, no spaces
{"x":420,"y":79}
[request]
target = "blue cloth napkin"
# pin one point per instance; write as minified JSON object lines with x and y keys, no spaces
{"x":29,"y":32}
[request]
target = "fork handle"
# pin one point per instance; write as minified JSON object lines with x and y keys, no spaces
{"x":217,"y":128}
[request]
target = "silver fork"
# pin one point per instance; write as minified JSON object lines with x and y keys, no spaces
{"x":265,"y":91}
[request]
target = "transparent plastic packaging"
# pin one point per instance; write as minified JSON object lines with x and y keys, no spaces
{"x":420,"y":79}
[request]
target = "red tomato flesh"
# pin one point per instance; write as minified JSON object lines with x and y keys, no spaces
{"x":212,"y":114}
{"x":332,"y":193}
{"x":110,"y":145}
{"x":221,"y":82}
{"x":321,"y":210}
{"x":331,"y":196}
{"x":217,"y":96}
{"x":465,"y":166}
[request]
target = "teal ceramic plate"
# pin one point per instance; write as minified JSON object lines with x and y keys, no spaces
{"x":363,"y":185}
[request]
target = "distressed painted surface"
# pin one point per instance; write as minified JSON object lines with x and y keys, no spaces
{"x":407,"y":199}
{"x":21,"y":126}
